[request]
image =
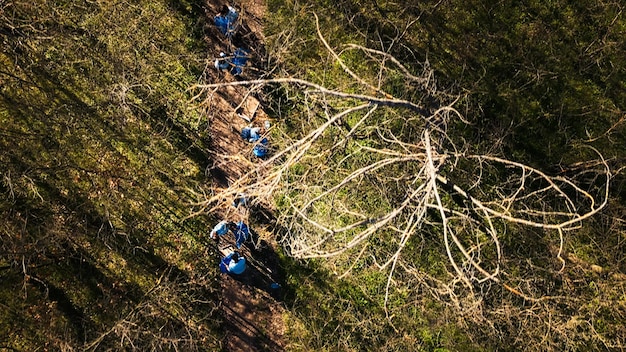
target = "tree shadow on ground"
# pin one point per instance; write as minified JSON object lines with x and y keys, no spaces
{"x":65,"y":224}
{"x":262,"y":270}
{"x":242,"y":328}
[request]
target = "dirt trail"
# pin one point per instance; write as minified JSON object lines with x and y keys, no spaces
{"x":251,"y":309}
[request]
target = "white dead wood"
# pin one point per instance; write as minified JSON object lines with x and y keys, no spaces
{"x":418,"y":195}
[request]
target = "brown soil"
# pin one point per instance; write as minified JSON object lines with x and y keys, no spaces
{"x":251,"y":310}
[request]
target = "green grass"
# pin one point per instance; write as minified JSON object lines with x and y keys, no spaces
{"x":98,"y":146}
{"x":533,"y":79}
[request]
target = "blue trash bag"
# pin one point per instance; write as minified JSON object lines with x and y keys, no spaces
{"x":240,"y":57}
{"x":237,"y":267}
{"x":254,"y":134}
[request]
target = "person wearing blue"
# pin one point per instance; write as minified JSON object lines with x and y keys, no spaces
{"x":251,"y":134}
{"x":222,"y":62}
{"x":220,"y":229}
{"x":241,"y":233}
{"x":236,"y":62}
{"x":239,"y":60}
{"x":240,"y":199}
{"x":226,"y":21}
{"x":260,"y":149}
{"x":233,"y":263}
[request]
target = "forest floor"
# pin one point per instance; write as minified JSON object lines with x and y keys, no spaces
{"x":252,"y":310}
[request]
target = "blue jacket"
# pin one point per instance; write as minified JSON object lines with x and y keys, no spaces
{"x":228,"y":265}
{"x":250,"y":134}
{"x":221,"y":228}
{"x":237,"y":267}
{"x":239,"y":60}
{"x":227,"y":24}
{"x":260,"y":149}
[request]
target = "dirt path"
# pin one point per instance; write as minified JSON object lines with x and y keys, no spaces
{"x":251,"y":308}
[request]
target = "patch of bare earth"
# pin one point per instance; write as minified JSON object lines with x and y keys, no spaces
{"x":251,"y":309}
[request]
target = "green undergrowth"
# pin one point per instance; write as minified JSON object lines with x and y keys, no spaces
{"x":348,"y":314}
{"x":101,"y":151}
{"x":541,"y":83}
{"x":100,"y":148}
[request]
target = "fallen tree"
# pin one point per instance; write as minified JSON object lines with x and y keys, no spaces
{"x":370,"y":178}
